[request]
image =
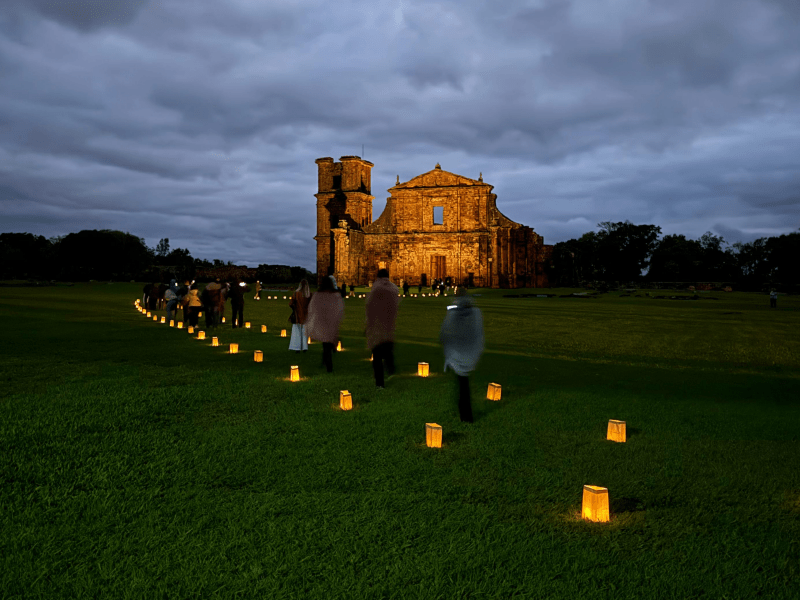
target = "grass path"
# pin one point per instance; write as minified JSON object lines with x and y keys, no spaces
{"x":138,"y":462}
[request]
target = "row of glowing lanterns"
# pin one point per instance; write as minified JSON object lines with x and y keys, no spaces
{"x":595,"y":506}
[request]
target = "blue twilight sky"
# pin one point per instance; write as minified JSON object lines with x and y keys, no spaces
{"x":200,"y":120}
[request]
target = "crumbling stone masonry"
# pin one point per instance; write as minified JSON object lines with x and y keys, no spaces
{"x":435,"y":225}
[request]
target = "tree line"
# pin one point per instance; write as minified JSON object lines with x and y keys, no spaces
{"x":109,"y":255}
{"x":622,"y":253}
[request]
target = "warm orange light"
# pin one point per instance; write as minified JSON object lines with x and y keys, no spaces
{"x":148,"y":314}
{"x":199,"y":315}
{"x":371,"y":357}
{"x":309,"y":339}
{"x":295,"y":373}
{"x":155,"y":318}
{"x":339,"y":346}
{"x":201,"y":335}
{"x":433,"y":435}
{"x":172,"y":322}
{"x":234,"y":348}
{"x":617,"y":431}
{"x":223,"y":319}
{"x":595,"y":504}
{"x":345,"y":400}
{"x":215,"y":342}
{"x":190,"y":329}
{"x":283,"y":333}
{"x":263,"y":329}
{"x":494,"y":392}
{"x":180,"y":324}
{"x":423,"y":369}
{"x":258,"y":356}
{"x":247,"y":324}
{"x":163,"y":320}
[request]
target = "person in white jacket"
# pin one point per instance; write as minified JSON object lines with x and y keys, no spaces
{"x":462,"y":340}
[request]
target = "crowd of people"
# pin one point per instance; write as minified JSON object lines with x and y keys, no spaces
{"x":210,"y":302}
{"x":319,"y":315}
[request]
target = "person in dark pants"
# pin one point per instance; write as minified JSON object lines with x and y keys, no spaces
{"x":773,"y":299}
{"x":325,"y":313}
{"x":462,"y":339}
{"x":238,"y":290}
{"x":381,"y":308}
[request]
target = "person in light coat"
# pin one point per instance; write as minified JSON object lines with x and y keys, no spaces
{"x":325,"y":314}
{"x":381,"y":308}
{"x":462,"y":340}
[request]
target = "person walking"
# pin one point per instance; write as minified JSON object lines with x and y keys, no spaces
{"x":462,"y":340}
{"x":325,"y":313}
{"x":343,"y":290}
{"x":299,"y":304}
{"x":193,"y":306}
{"x":405,"y":288}
{"x":212,"y":295}
{"x":773,"y":299}
{"x":381,"y":311}
{"x":171,"y":298}
{"x":236,"y":294}
{"x":258,"y":291}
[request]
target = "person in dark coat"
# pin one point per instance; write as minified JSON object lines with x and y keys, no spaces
{"x":212,"y":295}
{"x":405,"y":288}
{"x":381,"y":312}
{"x":146,"y":290}
{"x":343,"y":290}
{"x":236,"y":295}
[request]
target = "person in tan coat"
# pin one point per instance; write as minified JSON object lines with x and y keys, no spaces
{"x":381,"y":308}
{"x":299,"y":304}
{"x":325,"y":313}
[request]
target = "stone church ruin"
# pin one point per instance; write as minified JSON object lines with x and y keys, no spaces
{"x":436,"y":225}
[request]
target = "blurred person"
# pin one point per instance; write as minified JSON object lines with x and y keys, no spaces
{"x":773,"y":299}
{"x":405,"y":288}
{"x":381,"y":315}
{"x":343,"y":290}
{"x":299,"y":304}
{"x":146,"y":295}
{"x":212,"y":295}
{"x":258,"y":291}
{"x":462,"y":340}
{"x":236,"y":294}
{"x":325,"y":313}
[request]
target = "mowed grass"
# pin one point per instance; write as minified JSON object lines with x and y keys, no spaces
{"x":138,"y":462}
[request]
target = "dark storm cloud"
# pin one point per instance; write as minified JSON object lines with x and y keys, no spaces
{"x":200,"y":121}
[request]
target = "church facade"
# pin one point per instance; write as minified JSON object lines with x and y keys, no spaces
{"x":434,"y":226}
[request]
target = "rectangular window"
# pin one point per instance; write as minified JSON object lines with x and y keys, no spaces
{"x":337,"y":182}
{"x":438,"y":215}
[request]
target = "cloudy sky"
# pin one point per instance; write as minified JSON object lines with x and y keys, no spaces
{"x":200,"y":120}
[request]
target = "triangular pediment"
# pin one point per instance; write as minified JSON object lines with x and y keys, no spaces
{"x":437,"y":178}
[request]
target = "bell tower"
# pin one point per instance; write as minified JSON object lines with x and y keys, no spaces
{"x":344,"y":203}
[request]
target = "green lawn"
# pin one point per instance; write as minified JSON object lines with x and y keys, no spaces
{"x":138,"y":462}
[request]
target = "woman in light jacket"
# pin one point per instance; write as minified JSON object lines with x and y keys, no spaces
{"x":325,"y":313}
{"x":299,"y":304}
{"x":193,"y":306}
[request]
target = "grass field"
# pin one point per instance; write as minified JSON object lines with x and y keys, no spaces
{"x":138,"y":462}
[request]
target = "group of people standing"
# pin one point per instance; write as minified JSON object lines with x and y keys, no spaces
{"x":211,"y":301}
{"x":319,"y":316}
